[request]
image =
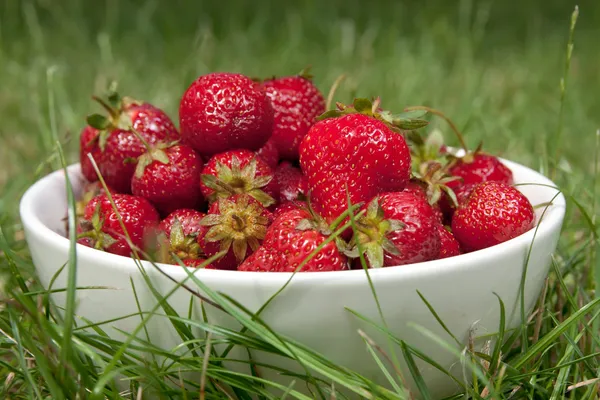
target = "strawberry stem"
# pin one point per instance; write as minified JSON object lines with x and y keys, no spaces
{"x":445,"y":118}
{"x":333,"y":89}
{"x":113,"y":113}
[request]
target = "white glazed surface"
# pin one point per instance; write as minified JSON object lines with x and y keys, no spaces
{"x":312,"y":309}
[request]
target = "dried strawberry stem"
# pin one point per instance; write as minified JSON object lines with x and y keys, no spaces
{"x":445,"y":118}
{"x":333,"y":89}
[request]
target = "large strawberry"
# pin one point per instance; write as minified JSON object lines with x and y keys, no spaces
{"x":168,"y":176}
{"x":101,"y":227}
{"x":239,"y":171}
{"x":120,"y":137}
{"x":296,"y":234}
{"x":493,"y":213}
{"x":297,"y":102}
{"x":292,"y":182}
{"x":398,"y":228}
{"x":358,"y":148}
{"x":269,"y":154}
{"x":225,"y":111}
{"x":236,"y":226}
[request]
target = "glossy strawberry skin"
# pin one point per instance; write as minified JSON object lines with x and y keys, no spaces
{"x":483,"y":168}
{"x":297,"y":102}
{"x":287,"y":206}
{"x":493,"y":213}
{"x":174,"y":185}
{"x":291,"y":181}
{"x":228,"y":261}
{"x":137,"y":214}
{"x":418,"y":190}
{"x":189,"y":219}
{"x":269,"y":154}
{"x":197,"y":263}
{"x":244,"y":156}
{"x":296,"y":245}
{"x":225,"y":111}
{"x":354,"y":150}
{"x":419,"y":239}
{"x":449,"y":246}
{"x":118,"y":160}
{"x":88,"y":144}
{"x":264,"y":260}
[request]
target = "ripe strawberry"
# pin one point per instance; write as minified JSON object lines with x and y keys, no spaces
{"x":89,"y":191}
{"x":264,"y":260}
{"x":292,"y":182}
{"x":479,"y":167}
{"x":100,"y":227}
{"x":449,"y":246}
{"x":295,"y":235}
{"x":117,"y":143}
{"x":419,"y":189}
{"x":297,"y":102}
{"x":236,"y":225}
{"x":169,"y":177}
{"x":178,"y":234}
{"x":236,"y":172}
{"x":357,"y":148}
{"x":287,"y":206}
{"x":398,"y":228}
{"x":269,"y":154}
{"x":493,"y":213}
{"x":88,"y":143}
{"x":225,"y":111}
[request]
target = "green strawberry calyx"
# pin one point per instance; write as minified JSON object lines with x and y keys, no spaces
{"x":92,"y":230}
{"x":408,"y":120}
{"x":234,"y":179}
{"x":371,"y":234}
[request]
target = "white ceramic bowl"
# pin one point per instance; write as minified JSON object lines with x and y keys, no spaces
{"x":312,"y":309}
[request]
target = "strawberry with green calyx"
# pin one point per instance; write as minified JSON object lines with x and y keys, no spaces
{"x":359,"y":148}
{"x":449,"y":246}
{"x":100,"y":227}
{"x":436,"y":181}
{"x":398,"y":228}
{"x":168,"y":176}
{"x":237,"y":172}
{"x":112,"y":142}
{"x":236,"y":225}
{"x":89,"y":191}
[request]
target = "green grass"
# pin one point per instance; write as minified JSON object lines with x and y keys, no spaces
{"x":493,"y":68}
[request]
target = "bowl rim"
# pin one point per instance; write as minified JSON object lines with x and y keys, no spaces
{"x":551,"y":221}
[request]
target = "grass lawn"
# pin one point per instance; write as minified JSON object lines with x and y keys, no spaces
{"x":495,"y":69}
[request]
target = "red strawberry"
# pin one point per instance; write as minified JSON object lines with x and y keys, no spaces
{"x":287,"y":206}
{"x":449,"y":246}
{"x":418,"y":189}
{"x":100,"y":227}
{"x":225,"y":111}
{"x":118,"y":139}
{"x":88,"y":144}
{"x":269,"y":154}
{"x":89,"y":191}
{"x":479,"y":167}
{"x":292,"y":182}
{"x":295,"y":235}
{"x":236,"y":225}
{"x":169,"y":177}
{"x":398,"y":228}
{"x":297,"y":102}
{"x":178,"y":234}
{"x":448,"y":207}
{"x":357,"y":148}
{"x":264,"y":260}
{"x":493,"y":213}
{"x":197,"y":263}
{"x":239,"y":171}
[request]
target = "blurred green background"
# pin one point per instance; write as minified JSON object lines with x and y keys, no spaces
{"x":492,"y":66}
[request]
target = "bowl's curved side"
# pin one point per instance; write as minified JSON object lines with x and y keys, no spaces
{"x":314,"y":308}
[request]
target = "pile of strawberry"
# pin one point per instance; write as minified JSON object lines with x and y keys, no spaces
{"x":261,"y":178}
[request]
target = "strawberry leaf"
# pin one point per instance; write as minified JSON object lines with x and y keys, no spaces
{"x":160,"y":156}
{"x":240,"y":247}
{"x":374,"y":254}
{"x":98,"y":121}
{"x":330,"y":114}
{"x":362,"y":105}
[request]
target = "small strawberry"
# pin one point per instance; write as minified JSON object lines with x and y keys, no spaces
{"x":101,"y":229}
{"x":295,"y":234}
{"x":269,"y":154}
{"x":88,"y":144}
{"x":358,"y":148}
{"x":398,"y":228}
{"x":479,"y":167}
{"x":449,"y":246}
{"x":225,"y":111}
{"x":121,"y":135}
{"x":493,"y":213}
{"x":168,"y":176}
{"x":292,"y":182}
{"x":236,"y":225}
{"x":264,"y":260}
{"x":236,"y":172}
{"x":297,"y":102}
